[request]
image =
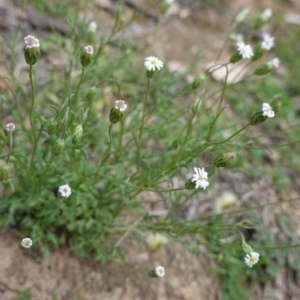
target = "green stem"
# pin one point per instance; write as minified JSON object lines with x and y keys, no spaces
{"x":217,"y":143}
{"x":65,"y":122}
{"x":211,"y":128}
{"x":31,"y":116}
{"x":106,"y":154}
{"x":142,"y":126}
{"x":79,"y":84}
{"x":10,"y":147}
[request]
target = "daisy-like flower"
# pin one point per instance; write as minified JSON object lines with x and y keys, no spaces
{"x":267,"y":110}
{"x":31,"y":42}
{"x":267,"y":14}
{"x":120,"y":105}
{"x":244,"y":50}
{"x":89,"y":50}
{"x":65,"y":191}
{"x":26,"y":243}
{"x":10,"y":127}
{"x":200,"y":178}
{"x":160,"y":271}
{"x":251,"y":259}
{"x":268,"y":41}
{"x":152,"y":63}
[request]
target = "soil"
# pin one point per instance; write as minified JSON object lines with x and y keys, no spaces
{"x":188,"y":276}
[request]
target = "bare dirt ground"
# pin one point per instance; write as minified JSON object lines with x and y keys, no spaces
{"x":188,"y":277}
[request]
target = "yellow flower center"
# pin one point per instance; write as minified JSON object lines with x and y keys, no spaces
{"x":252,"y":259}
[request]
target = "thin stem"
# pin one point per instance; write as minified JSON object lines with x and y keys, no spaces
{"x":144,"y":110}
{"x":128,"y":231}
{"x":30,"y":114}
{"x":65,"y":122}
{"x":219,"y":106}
{"x":142,"y":126}
{"x":79,"y":84}
{"x":106,"y":154}
{"x":217,"y":143}
{"x":10,"y":147}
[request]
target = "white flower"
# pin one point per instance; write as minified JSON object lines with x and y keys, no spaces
{"x":275,"y":62}
{"x":92,"y":26}
{"x":26,"y":243}
{"x":65,"y":190}
{"x":267,"y":110}
{"x":245,"y":50}
{"x":160,"y":271}
{"x":267,"y":14}
{"x":251,"y":259}
{"x":200,"y":177}
{"x":10,"y":126}
{"x":153,"y":62}
{"x":268,"y":41}
{"x":31,"y":42}
{"x":120,"y":105}
{"x":89,"y":50}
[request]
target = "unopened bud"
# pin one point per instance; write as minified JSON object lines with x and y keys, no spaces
{"x":58,"y":147}
{"x":223,"y":160}
{"x":190,"y":185}
{"x":247,"y":248}
{"x":258,"y":52}
{"x":77,"y":134}
{"x":87,"y":56}
{"x":235,"y":57}
{"x":91,"y":94}
{"x":263,"y":69}
{"x":52,"y":127}
{"x":241,"y":16}
{"x":157,"y":272}
{"x":4,"y":170}
{"x":115,"y":115}
{"x":199,"y":80}
{"x":31,"y":50}
{"x":257,"y":118}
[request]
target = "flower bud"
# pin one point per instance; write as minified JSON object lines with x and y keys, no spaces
{"x":31,"y":50}
{"x":259,"y":23}
{"x":91,"y":94}
{"x":77,"y":134}
{"x":58,"y":147}
{"x":247,"y":248}
{"x":4,"y":170}
{"x":165,"y":6}
{"x":199,"y":80}
{"x":241,"y":16}
{"x":52,"y":127}
{"x":223,"y":160}
{"x":190,"y":185}
{"x":115,"y":115}
{"x":235,"y":57}
{"x":258,"y":52}
{"x":87,"y":56}
{"x":257,"y":118}
{"x":157,"y":272}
